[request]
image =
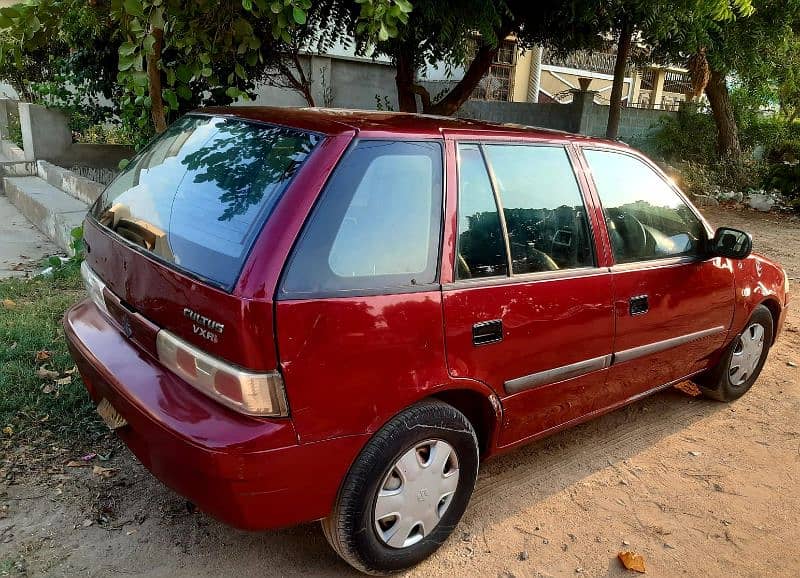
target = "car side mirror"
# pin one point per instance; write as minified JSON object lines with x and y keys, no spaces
{"x":731,"y":243}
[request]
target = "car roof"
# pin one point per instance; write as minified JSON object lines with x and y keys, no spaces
{"x":331,"y":121}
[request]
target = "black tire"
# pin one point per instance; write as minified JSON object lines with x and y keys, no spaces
{"x":716,"y":383}
{"x":350,"y":529}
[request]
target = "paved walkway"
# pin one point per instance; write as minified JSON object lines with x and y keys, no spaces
{"x":22,"y":246}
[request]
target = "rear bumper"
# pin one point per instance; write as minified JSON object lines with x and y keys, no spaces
{"x":248,"y":472}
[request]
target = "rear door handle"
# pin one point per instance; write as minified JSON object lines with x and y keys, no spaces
{"x":487,"y":332}
{"x":638,"y":305}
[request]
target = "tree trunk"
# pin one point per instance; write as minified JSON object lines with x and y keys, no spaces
{"x":728,"y":146}
{"x":404,"y":79}
{"x":460,"y":93}
{"x":154,"y":82}
{"x":623,"y":52}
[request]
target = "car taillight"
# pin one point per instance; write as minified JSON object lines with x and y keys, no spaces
{"x":252,"y":393}
{"x":94,"y":287}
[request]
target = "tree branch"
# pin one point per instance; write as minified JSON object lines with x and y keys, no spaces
{"x":460,"y":93}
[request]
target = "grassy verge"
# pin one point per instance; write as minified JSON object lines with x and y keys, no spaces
{"x":41,"y":395}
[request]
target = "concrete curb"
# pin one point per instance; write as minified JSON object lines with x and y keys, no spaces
{"x":79,"y":187}
{"x":53,"y":211}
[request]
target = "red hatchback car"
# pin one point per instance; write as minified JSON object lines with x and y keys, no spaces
{"x":301,"y":315}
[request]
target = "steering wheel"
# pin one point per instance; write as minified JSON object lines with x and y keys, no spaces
{"x":633,"y":233}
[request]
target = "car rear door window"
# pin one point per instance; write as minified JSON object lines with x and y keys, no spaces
{"x":481,"y":245}
{"x":545,"y":216}
{"x":645,"y":217}
{"x":377,"y":224}
{"x":198,"y":195}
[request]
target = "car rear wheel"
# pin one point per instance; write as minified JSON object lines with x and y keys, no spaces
{"x":742,"y":362}
{"x":406,"y":491}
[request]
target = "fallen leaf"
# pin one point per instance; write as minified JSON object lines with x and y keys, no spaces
{"x":104,"y":472}
{"x":76,"y":464}
{"x":48,"y":388}
{"x":44,"y":373}
{"x":791,"y":364}
{"x":688,"y":388}
{"x":694,"y":453}
{"x":9,"y":304}
{"x":13,"y":346}
{"x":89,"y":457}
{"x":65,"y":381}
{"x":43,"y":355}
{"x":632,"y":561}
{"x":8,"y":430}
{"x":71,"y":371}
{"x":87,"y":522}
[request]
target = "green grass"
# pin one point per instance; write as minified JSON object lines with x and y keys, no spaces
{"x":36,"y":408}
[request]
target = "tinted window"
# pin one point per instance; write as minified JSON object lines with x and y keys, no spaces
{"x":646,"y":218}
{"x":543,"y":208}
{"x":481,"y":246}
{"x":198,"y":195}
{"x":377,"y":224}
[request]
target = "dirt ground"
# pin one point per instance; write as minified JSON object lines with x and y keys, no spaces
{"x":697,"y":487}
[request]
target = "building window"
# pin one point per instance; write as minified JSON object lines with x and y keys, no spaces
{"x":498,"y":83}
{"x":648,"y":79}
{"x":677,"y":82}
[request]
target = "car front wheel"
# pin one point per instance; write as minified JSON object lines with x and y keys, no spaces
{"x":742,"y":362}
{"x":406,"y":491}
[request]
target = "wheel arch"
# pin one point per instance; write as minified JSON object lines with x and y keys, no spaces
{"x":775,"y":310}
{"x":483,"y":410}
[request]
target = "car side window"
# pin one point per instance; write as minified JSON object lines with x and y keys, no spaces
{"x":546,"y":220}
{"x":377,"y":224}
{"x":646,"y":218}
{"x":481,"y":246}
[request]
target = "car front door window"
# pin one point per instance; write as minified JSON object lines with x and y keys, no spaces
{"x":646,"y":218}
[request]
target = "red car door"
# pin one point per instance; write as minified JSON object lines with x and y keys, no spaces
{"x":673,"y":307}
{"x":528,"y":311}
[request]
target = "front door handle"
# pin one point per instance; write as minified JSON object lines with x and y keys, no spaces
{"x":638,"y":305}
{"x":487,"y":332}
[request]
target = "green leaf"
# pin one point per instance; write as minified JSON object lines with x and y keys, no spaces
{"x":127,"y":48}
{"x":157,"y":18}
{"x":184,"y":73}
{"x":133,"y":7}
{"x":240,"y":72}
{"x":123,"y":164}
{"x":299,"y":15}
{"x":247,"y":5}
{"x":232,"y":91}
{"x":76,"y":233}
{"x":170,"y":98}
{"x":149,"y":42}
{"x":184,"y":93}
{"x":125,"y":63}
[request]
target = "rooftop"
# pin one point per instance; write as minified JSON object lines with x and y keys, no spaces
{"x":374,"y":123}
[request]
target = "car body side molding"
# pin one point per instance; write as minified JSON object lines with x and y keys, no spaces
{"x":557,"y":374}
{"x":658,"y":346}
{"x":580,"y":368}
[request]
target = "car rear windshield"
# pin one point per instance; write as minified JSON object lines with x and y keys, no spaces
{"x":198,"y":195}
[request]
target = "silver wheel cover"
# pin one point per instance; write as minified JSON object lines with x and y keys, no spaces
{"x":746,"y":354}
{"x":416,"y":493}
